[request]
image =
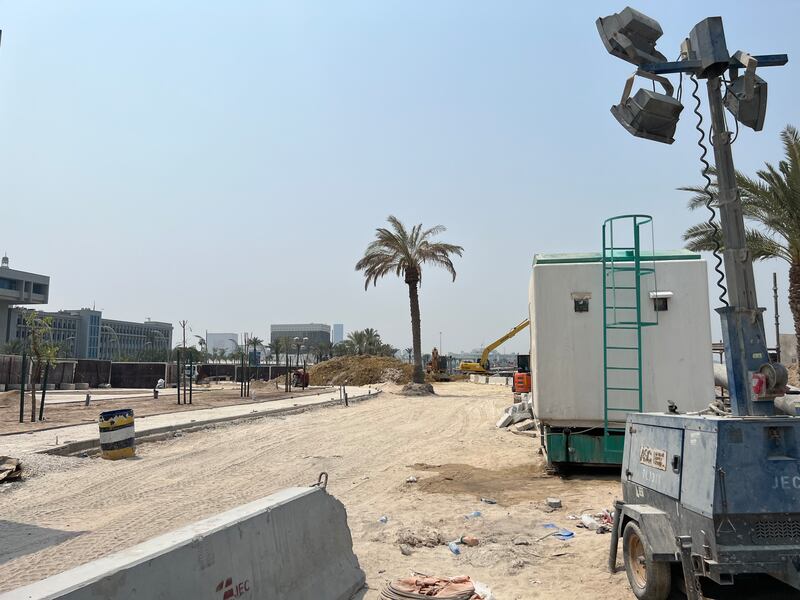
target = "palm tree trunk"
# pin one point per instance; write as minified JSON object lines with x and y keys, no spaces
{"x":416,"y":338}
{"x":794,"y":300}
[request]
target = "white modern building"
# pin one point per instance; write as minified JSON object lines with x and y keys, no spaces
{"x":222,"y":341}
{"x":338,"y":333}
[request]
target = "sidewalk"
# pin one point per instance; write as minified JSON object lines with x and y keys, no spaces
{"x":88,"y":434}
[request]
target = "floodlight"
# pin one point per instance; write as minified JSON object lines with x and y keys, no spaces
{"x":648,"y":114}
{"x":631,"y":36}
{"x":750,"y":112}
{"x":707,"y":44}
{"x":746,"y":97}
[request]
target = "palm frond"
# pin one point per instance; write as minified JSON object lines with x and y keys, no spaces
{"x":402,"y":251}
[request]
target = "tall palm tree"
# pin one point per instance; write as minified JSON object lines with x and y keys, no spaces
{"x":770,"y":201}
{"x":403,"y":252}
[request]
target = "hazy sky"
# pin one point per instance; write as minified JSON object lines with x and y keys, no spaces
{"x":227,"y":162}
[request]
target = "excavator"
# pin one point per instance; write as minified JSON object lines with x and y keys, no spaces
{"x":482,"y":365}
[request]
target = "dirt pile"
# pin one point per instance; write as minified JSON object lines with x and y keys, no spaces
{"x":360,"y":370}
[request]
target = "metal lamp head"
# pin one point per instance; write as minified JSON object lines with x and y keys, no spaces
{"x":707,"y":42}
{"x":650,"y":115}
{"x":631,"y":36}
{"x":749,"y":111}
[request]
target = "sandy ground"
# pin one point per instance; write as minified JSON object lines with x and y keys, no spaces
{"x":58,"y":414}
{"x":73,"y":510}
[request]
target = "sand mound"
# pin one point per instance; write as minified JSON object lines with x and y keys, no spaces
{"x":360,"y":370}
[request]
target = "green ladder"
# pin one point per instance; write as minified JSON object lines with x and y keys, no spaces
{"x":624,"y":278}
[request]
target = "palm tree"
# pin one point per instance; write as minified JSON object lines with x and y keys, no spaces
{"x":409,"y":351}
{"x":256,"y":342}
{"x":201,"y":341}
{"x":344,"y":348}
{"x":372,"y":341}
{"x":359,"y":341}
{"x":771,"y":201}
{"x":403,"y":252}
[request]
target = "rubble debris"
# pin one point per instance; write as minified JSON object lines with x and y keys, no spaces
{"x":599,"y":523}
{"x":451,"y":588}
{"x":516,"y":413}
{"x":489,"y":500}
{"x":417,"y":389}
{"x":525,"y":425}
{"x":468,"y":540}
{"x":411,"y":479}
{"x":521,"y":541}
{"x":557,"y":532}
{"x":10,"y":469}
{"x":553,"y":502}
{"x":425,"y":537}
{"x":405,"y":550}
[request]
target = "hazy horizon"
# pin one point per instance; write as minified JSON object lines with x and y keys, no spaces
{"x":227,"y":163}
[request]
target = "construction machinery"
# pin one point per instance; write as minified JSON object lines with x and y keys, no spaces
{"x":712,"y":495}
{"x":481,"y":366}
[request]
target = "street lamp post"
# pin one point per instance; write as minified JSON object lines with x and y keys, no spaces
{"x":116,"y":338}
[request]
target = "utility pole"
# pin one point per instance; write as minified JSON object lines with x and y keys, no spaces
{"x":183,"y":327}
{"x":777,"y":318}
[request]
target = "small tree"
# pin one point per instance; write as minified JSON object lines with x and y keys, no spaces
{"x":43,"y":350}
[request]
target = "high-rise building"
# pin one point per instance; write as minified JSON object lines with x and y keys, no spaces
{"x":317,"y":333}
{"x":338,"y":333}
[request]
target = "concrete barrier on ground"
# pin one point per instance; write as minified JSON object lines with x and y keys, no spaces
{"x":491,"y":380}
{"x":292,"y":544}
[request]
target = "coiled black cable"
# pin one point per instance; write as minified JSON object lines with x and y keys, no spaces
{"x":710,"y":200}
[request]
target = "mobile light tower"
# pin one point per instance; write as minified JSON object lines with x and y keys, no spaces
{"x":717,"y":493}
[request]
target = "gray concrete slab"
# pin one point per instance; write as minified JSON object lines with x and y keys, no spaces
{"x":292,"y":544}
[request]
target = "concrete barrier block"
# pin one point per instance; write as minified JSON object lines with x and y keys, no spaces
{"x":81,"y":386}
{"x":505,"y":420}
{"x":292,"y":544}
{"x":520,"y":416}
{"x":66,"y":386}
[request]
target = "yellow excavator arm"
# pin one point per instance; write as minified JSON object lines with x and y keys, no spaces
{"x":483,"y":364}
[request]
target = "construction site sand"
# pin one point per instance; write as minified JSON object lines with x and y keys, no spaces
{"x":92,"y":507}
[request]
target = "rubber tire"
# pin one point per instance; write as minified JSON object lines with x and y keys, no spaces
{"x":659,"y":574}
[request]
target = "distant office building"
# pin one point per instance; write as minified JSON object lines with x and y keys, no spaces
{"x":84,"y":333}
{"x":19,"y":287}
{"x":317,"y":333}
{"x":121,"y":340}
{"x":338,"y":333}
{"x":222,"y":341}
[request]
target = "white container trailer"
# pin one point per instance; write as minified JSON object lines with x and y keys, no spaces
{"x":673,"y":358}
